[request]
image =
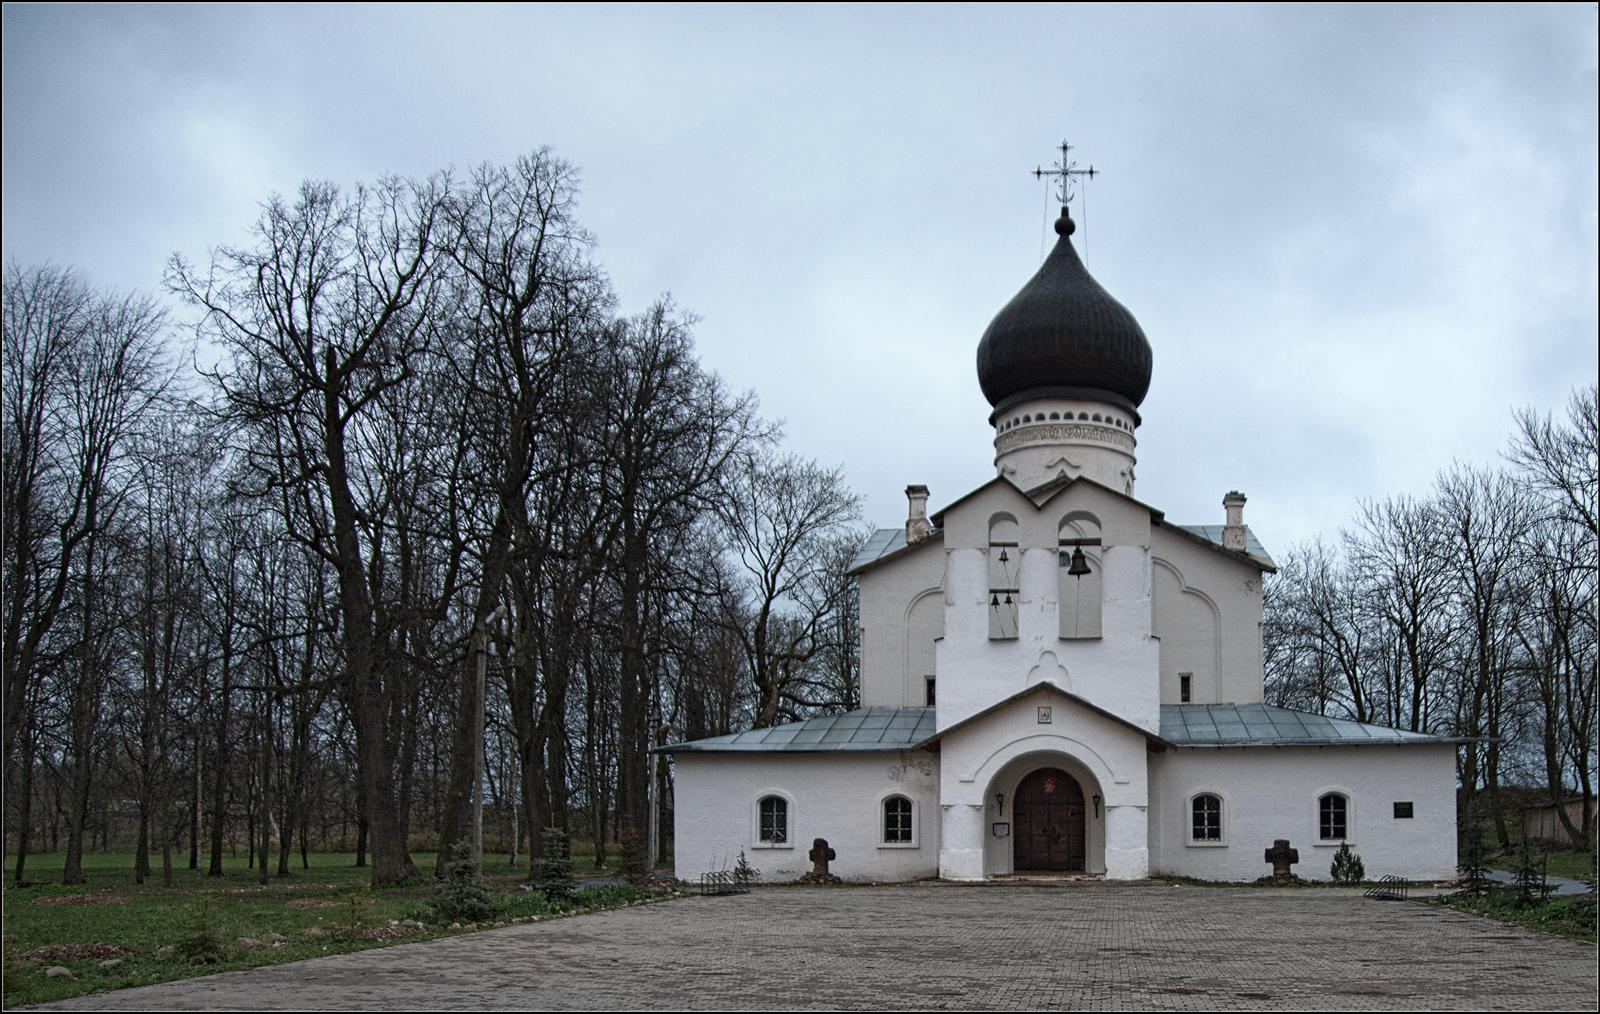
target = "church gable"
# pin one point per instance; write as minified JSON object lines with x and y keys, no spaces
{"x":1206,"y":611}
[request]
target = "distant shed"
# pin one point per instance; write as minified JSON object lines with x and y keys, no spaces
{"x":1543,"y":823}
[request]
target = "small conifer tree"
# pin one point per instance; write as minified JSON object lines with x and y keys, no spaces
{"x":203,"y":945}
{"x":743,"y":873}
{"x":1472,"y":860}
{"x":632,"y":863}
{"x":1347,"y":866}
{"x":1529,"y":880}
{"x":555,"y":866}
{"x":459,"y":897}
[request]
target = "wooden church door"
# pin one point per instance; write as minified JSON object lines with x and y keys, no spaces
{"x":1048,"y":814}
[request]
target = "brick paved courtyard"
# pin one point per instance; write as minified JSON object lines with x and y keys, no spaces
{"x":941,"y":946}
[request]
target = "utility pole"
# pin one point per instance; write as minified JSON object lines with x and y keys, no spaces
{"x":480,"y":637}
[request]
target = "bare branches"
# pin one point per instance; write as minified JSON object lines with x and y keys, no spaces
{"x":1564,"y":463}
{"x":786,"y":518}
{"x":1470,"y":612}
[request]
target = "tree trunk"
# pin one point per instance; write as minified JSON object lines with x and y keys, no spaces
{"x":25,"y":800}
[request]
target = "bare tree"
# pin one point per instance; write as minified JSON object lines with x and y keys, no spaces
{"x":1558,"y":629}
{"x":1564,"y":463}
{"x":786,"y":519}
{"x":1400,"y":556}
{"x":174,"y":467}
{"x":322,"y":316}
{"x":532,"y":306}
{"x":1557,"y":632}
{"x":1487,"y":516}
{"x":671,"y":433}
{"x":82,"y":374}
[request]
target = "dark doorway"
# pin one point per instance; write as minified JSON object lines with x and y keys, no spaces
{"x":1048,"y":814}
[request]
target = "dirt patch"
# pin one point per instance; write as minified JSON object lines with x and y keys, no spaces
{"x":311,"y":903}
{"x":76,"y":952}
{"x":82,"y":899}
{"x":385,"y":932}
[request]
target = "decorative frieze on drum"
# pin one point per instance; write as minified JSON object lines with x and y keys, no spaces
{"x":1062,"y":432}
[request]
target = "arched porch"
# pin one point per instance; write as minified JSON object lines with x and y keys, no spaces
{"x":1045,"y":814}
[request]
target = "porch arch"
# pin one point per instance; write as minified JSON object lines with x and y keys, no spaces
{"x":1046,"y":814}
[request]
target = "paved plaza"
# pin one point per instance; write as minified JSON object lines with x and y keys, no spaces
{"x":943,"y":946}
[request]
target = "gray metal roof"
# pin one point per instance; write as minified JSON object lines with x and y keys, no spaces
{"x":864,"y":729}
{"x":1264,"y":725}
{"x":1213,"y":533}
{"x":879,"y":544}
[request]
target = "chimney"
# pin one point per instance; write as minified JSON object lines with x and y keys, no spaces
{"x":1233,"y":530}
{"x":918,"y":526}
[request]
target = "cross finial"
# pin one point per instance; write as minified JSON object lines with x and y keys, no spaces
{"x":1066,"y":169}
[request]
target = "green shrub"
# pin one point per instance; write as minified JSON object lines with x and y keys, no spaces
{"x":460,"y":898}
{"x":1347,"y":867}
{"x":608,"y":896}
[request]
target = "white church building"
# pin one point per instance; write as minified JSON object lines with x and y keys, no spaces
{"x":1057,"y":679}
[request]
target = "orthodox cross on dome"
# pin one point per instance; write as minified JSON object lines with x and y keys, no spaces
{"x":1065,"y":168}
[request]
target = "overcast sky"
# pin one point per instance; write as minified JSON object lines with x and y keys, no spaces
{"x":1356,"y":237}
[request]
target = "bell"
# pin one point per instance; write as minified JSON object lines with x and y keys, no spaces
{"x":1080,"y":563}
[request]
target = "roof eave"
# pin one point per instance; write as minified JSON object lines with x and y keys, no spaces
{"x":937,"y":535}
{"x":1260,"y":563}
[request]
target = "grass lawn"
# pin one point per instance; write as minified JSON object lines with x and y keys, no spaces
{"x":110,"y":933}
{"x":1567,"y":917}
{"x":1576,"y":865}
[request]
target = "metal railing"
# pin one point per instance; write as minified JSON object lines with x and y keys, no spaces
{"x":721,"y":882}
{"x":1389,"y":888}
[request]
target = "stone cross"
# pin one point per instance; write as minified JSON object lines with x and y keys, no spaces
{"x":820,"y":855}
{"x":1281,"y":856}
{"x":1066,"y":169}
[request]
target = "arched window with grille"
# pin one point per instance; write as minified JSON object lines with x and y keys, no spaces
{"x":1206,"y":818}
{"x":1333,"y":817}
{"x":773,"y":820}
{"x":898,"y":825}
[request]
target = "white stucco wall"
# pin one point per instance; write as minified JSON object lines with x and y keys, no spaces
{"x":996,"y":751}
{"x":902,"y":615}
{"x":1272,"y":792}
{"x":834,"y":796}
{"x":1207,"y":614}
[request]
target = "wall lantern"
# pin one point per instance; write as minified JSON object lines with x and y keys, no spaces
{"x":1000,"y":801}
{"x":1096,"y":807}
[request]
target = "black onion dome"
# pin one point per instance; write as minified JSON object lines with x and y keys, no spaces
{"x":1063,"y":336}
